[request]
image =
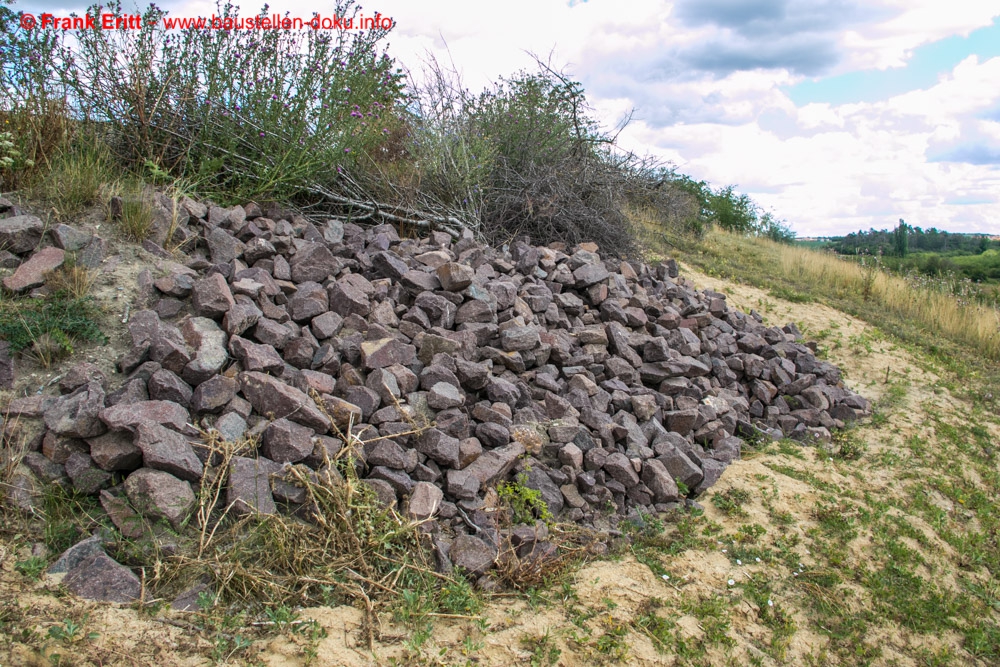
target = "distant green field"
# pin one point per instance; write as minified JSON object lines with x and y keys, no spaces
{"x":819,"y":244}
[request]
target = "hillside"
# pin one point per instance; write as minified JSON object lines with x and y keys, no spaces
{"x":878,"y":551}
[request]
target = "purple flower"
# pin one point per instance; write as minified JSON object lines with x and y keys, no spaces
{"x":262,"y":134}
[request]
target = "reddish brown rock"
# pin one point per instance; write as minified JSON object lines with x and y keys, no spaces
{"x":386,"y":352}
{"x":160,"y":495}
{"x":212,"y":395}
{"x":115,"y":451}
{"x":210,"y":297}
{"x":126,"y":417}
{"x":285,"y":441}
{"x":166,"y":450}
{"x":32,"y":272}
{"x":455,"y":277}
{"x":275,"y":399}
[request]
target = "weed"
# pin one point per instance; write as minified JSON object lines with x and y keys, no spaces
{"x":542,"y":648}
{"x":611,"y":645}
{"x":32,"y":567}
{"x":731,"y":501}
{"x":70,"y":632}
{"x":658,"y":629}
{"x":71,"y":279}
{"x":524,"y":504}
{"x":53,"y":322}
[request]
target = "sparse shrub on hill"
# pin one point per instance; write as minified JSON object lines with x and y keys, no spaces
{"x":527,"y":157}
{"x":322,"y":119}
{"x":245,"y":113}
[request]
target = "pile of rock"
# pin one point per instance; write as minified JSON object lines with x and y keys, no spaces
{"x":606,"y":385}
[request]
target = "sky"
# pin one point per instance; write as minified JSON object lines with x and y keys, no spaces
{"x":835,"y":115}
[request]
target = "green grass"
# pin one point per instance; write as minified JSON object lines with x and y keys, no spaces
{"x":60,"y":316}
{"x":73,"y":182}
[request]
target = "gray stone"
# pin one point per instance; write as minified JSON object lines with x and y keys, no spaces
{"x":249,"y":489}
{"x":440,"y":447}
{"x":86,"y":477}
{"x":425,"y":499}
{"x":495,"y":464}
{"x":77,"y":415}
{"x":214,"y":394}
{"x":103,"y":579}
{"x":443,"y":396}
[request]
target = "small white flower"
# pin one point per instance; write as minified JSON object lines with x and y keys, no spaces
{"x":758,"y":560}
{"x":731,"y":582}
{"x":723,"y":551}
{"x":739,"y":562}
{"x":666,"y":577}
{"x":770,"y":603}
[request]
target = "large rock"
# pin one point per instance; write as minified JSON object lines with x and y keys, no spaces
{"x":285,"y":441}
{"x":127,"y":416}
{"x":249,"y":489}
{"x":495,"y":464}
{"x":115,"y":451}
{"x":210,"y":297}
{"x":471,"y":554}
{"x":160,"y":495}
{"x":166,"y":450}
{"x":77,"y":415}
{"x":386,"y":352}
{"x":660,"y":482}
{"x":209,"y":343}
{"x":313,"y":262}
{"x":20,"y":233}
{"x":31,"y":273}
{"x":276,"y":400}
{"x":103,"y":579}
{"x":425,"y":499}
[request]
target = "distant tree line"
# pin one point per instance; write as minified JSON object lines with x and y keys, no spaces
{"x":905,"y":239}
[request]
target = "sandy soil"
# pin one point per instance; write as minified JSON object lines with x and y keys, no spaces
{"x":613,"y":590}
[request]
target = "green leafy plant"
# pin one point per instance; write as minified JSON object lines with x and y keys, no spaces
{"x":525,"y":504}
{"x":32,"y":567}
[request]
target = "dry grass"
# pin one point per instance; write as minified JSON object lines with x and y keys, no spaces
{"x":73,"y":279}
{"x":931,"y":316}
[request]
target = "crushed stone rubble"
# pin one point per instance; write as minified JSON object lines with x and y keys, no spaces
{"x":611,"y":387}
